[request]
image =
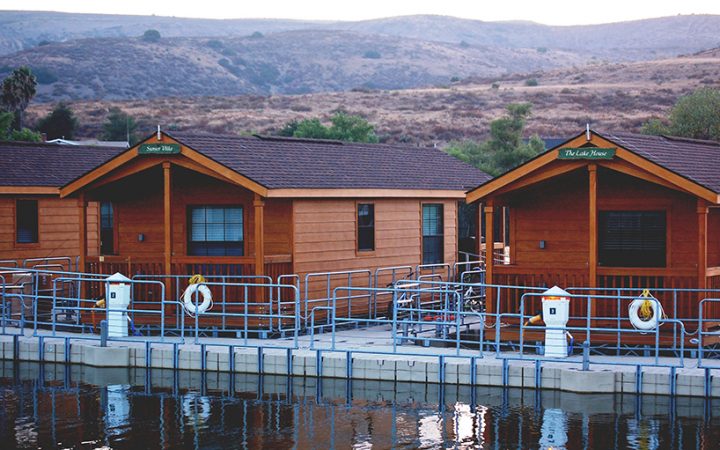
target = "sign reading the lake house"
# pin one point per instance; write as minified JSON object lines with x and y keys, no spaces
{"x":586,"y":153}
{"x":158,"y":149}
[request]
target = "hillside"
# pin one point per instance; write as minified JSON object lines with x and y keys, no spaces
{"x":290,"y":62}
{"x":608,"y":96}
{"x":640,"y":39}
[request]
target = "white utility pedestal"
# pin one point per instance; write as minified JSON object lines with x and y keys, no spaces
{"x":118,"y":299}
{"x":556,"y":312}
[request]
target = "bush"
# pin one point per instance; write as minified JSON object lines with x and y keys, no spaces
{"x":215,"y":44}
{"x":151,"y":36}
{"x":372,"y":54}
{"x":495,"y":85}
{"x":44,"y":76}
{"x":531,"y":82}
{"x":257,"y":35}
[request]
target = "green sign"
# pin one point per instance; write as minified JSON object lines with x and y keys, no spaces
{"x":158,"y":149}
{"x":586,"y":153}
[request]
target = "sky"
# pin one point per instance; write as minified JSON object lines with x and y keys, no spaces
{"x":550,"y":12}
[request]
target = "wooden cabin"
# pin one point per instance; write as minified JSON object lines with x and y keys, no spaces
{"x":34,"y":221}
{"x":183,"y":204}
{"x":611,"y":211}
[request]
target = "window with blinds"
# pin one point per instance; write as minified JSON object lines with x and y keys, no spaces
{"x":432,"y":229}
{"x":365,"y":227}
{"x":26,"y":222}
{"x":632,"y":238}
{"x":215,"y":231}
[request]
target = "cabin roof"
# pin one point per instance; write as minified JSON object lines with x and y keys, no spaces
{"x":690,"y":165}
{"x":288,"y":163}
{"x":51,"y":165}
{"x":696,"y":160}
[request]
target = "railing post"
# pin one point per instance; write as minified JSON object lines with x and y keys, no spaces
{"x":103,"y":333}
{"x":586,"y":356}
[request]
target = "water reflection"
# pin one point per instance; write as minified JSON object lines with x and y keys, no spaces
{"x":53,"y":406}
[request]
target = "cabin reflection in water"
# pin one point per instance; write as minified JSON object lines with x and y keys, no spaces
{"x":62,"y":406}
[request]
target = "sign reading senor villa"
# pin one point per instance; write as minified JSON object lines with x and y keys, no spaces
{"x":158,"y":149}
{"x":586,"y":153}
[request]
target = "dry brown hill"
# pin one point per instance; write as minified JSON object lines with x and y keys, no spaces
{"x":609,"y":96}
{"x":291,"y":62}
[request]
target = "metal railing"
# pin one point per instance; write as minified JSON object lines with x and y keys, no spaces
{"x":426,"y":314}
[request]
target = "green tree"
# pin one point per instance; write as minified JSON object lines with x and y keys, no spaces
{"x":655,"y":126}
{"x":696,"y":116}
{"x":25,"y":135}
{"x":17,"y":91}
{"x":119,"y":126}
{"x":311,"y":128}
{"x":7,"y":134}
{"x":288,"y":130}
{"x":60,"y":123}
{"x":505,"y":149}
{"x":343,"y":127}
{"x":151,"y":36}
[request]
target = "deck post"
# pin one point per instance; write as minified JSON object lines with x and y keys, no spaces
{"x":478,"y":231}
{"x":489,"y":257}
{"x":259,"y":205}
{"x":593,"y":231}
{"x":702,"y":213}
{"x":167,"y":208}
{"x":82,"y":218}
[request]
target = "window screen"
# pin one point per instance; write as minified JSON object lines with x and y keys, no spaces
{"x":365,"y":227}
{"x":26,"y":221}
{"x":632,"y":238}
{"x":107,"y":228}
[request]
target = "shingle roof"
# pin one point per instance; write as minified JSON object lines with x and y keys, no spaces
{"x":281,"y":163}
{"x":696,"y":160}
{"x":52,"y":165}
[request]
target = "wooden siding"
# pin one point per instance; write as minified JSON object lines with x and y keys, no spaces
{"x":325,"y":234}
{"x":714,"y":237}
{"x":555,"y":212}
{"x":58,"y":225}
{"x":325,"y":239}
{"x":138,"y":202}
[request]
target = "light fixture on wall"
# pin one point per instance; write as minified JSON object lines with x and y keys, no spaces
{"x":141,"y":237}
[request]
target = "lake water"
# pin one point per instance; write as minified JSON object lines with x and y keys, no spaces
{"x":57,"y":406}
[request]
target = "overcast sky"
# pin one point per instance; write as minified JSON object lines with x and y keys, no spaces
{"x":552,"y":12}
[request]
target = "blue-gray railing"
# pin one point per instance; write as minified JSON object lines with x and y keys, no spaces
{"x":428,"y":316}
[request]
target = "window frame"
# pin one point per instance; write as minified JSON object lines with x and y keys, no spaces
{"x":115,"y":234}
{"x":640,"y":210}
{"x":358,"y":250}
{"x":189,"y":241}
{"x":16,"y":224}
{"x":441,"y":236}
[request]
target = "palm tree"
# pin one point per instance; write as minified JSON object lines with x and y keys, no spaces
{"x":17,"y":91}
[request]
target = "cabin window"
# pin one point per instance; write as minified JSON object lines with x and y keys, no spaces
{"x":26,"y":221}
{"x":365,"y":227}
{"x":632,"y":238}
{"x":107,"y":228}
{"x":432,"y":228}
{"x":216,"y":231}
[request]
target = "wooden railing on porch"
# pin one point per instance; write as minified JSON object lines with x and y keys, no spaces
{"x":681,"y":304}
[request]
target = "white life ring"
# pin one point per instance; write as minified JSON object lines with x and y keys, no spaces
{"x":641,"y":324}
{"x":189,"y":298}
